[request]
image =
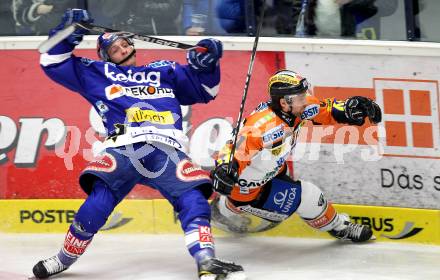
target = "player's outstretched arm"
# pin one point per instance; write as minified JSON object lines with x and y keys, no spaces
{"x":200,"y":80}
{"x":57,"y":63}
{"x":68,"y":44}
{"x":356,"y":109}
{"x":208,"y":61}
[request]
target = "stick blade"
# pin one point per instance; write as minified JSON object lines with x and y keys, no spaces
{"x":48,"y":44}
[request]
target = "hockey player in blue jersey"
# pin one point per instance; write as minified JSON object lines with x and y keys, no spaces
{"x":140,"y":108}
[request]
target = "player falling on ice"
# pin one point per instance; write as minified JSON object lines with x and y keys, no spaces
{"x":140,"y":108}
{"x":258,"y":184}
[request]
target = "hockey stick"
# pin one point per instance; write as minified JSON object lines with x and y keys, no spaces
{"x":246,"y":87}
{"x":48,"y":44}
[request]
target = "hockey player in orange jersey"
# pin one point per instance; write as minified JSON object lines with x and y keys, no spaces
{"x":258,"y":184}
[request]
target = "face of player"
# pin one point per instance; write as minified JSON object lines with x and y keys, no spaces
{"x":120,"y":50}
{"x":294,"y":104}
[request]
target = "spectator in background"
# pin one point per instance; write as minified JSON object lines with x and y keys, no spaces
{"x":370,"y":28}
{"x":199,"y":17}
{"x":284,"y":21}
{"x":231,"y":14}
{"x":278,"y":16}
{"x":36,"y":17}
{"x":158,"y":17}
{"x":6,"y":18}
{"x":331,"y":18}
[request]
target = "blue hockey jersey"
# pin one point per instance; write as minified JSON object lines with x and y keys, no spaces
{"x":136,"y":104}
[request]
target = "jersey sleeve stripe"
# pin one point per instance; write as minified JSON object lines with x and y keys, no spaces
{"x":47,"y":59}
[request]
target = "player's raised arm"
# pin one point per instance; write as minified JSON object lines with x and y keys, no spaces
{"x":59,"y":63}
{"x":200,"y":81}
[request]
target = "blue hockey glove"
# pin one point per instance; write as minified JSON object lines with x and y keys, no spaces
{"x":207,"y":61}
{"x":357,"y":108}
{"x":222,"y":181}
{"x":71,"y":16}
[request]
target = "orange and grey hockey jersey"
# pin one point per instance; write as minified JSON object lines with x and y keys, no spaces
{"x":265,"y":141}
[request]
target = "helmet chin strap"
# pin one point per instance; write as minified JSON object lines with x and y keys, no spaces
{"x":287,"y":117}
{"x":290,"y":109}
{"x":128,"y":57}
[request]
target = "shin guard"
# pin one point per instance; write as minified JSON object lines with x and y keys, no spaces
{"x":91,"y":216}
{"x":75,"y":244}
{"x":198,"y":239}
{"x":315,"y":210}
{"x":194,"y":214}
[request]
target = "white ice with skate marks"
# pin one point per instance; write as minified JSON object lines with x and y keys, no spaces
{"x":164,"y":257}
{"x":240,"y":275}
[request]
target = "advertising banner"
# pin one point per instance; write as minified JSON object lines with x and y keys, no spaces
{"x":155,"y":216}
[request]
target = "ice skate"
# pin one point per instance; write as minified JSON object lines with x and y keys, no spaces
{"x":215,"y":269}
{"x":353,"y":232}
{"x":48,"y":267}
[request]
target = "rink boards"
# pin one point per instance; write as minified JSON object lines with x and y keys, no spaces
{"x":394,"y":164}
{"x":47,"y":133}
{"x":156,"y":216}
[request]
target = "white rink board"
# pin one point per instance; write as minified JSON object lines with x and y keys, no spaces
{"x":356,"y":181}
{"x":164,"y":257}
{"x":358,"y":70}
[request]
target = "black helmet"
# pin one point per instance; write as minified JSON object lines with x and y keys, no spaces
{"x":286,"y":82}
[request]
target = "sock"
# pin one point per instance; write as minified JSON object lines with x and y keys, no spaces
{"x":75,"y":244}
{"x":91,"y":216}
{"x":327,"y":220}
{"x":198,"y":239}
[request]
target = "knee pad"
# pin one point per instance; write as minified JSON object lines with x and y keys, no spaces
{"x":312,"y":201}
{"x":315,"y":209}
{"x":191,"y":205}
{"x":98,"y":206}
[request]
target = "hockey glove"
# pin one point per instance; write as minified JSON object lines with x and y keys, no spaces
{"x":207,"y":61}
{"x":71,"y":16}
{"x":222,"y":181}
{"x":357,"y":108}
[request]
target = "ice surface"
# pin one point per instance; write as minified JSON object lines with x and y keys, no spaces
{"x":164,"y":257}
